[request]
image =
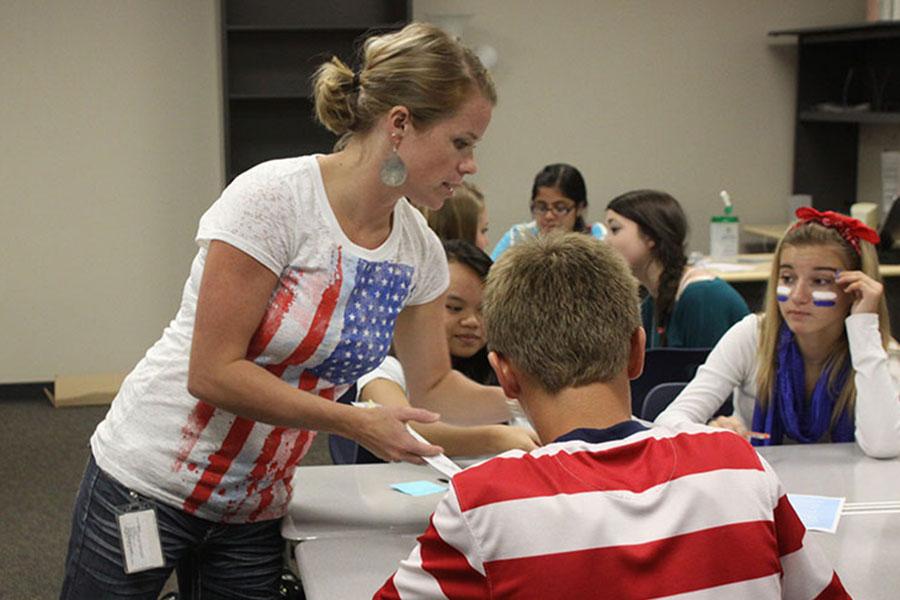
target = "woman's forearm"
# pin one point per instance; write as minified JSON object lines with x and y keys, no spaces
{"x":461,"y":401}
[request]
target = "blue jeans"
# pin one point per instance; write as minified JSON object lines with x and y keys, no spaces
{"x":214,"y":560}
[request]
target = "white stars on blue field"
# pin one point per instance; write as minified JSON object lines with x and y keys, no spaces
{"x":378,"y":293}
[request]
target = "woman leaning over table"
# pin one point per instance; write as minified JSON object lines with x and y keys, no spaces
{"x":307,"y":268}
{"x":558,"y":202}
{"x":813,"y":368}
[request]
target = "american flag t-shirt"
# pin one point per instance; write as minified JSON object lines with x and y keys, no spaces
{"x":329,"y":320}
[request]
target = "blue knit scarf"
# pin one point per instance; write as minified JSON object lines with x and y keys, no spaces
{"x":788,"y":412}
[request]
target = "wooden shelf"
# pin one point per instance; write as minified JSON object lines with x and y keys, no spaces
{"x":844,"y":65}
{"x":270,"y":51}
{"x":843,"y":33}
{"x":352,"y":27}
{"x":254,"y":97}
{"x":850,"y":116}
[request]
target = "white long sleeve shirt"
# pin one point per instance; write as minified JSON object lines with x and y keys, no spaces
{"x":732,"y":366}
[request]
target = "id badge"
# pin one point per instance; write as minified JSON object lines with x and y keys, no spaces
{"x":139,"y":536}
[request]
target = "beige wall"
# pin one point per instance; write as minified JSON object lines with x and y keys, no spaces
{"x":689,"y":96}
{"x":110,"y":143}
{"x":110,"y":139}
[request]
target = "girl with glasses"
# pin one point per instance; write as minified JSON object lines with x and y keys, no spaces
{"x":685,"y":307}
{"x":813,"y":368}
{"x":558,"y":202}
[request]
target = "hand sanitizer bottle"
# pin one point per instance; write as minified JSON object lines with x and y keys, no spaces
{"x":724,"y":232}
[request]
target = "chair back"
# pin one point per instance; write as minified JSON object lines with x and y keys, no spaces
{"x":665,"y":365}
{"x":659,"y":398}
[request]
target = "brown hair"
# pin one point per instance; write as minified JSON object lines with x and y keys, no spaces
{"x":660,"y":218}
{"x":420,"y":67}
{"x":814,"y":234}
{"x":458,"y":218}
{"x":591,"y":294}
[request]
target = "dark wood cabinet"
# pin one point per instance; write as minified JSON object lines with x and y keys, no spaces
{"x":846,"y":76}
{"x":270,"y":49}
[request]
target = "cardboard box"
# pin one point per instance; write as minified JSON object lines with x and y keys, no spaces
{"x":84,"y":390}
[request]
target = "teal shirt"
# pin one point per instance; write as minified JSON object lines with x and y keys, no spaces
{"x":523,"y":231}
{"x":702,"y":315}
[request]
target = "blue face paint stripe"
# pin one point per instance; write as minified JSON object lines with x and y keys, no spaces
{"x":782,"y":292}
{"x":824,"y":299}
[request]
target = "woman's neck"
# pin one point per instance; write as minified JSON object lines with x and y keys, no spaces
{"x":362,"y":204}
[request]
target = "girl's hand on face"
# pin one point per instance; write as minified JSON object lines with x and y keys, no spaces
{"x":866,"y":291}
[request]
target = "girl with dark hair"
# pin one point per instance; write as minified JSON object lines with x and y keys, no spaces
{"x":685,"y":307}
{"x":558,"y":202}
{"x":464,"y":329}
{"x":814,"y":367}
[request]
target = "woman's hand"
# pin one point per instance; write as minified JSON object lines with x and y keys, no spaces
{"x":866,"y":291}
{"x":382,"y":430}
{"x":731,"y":423}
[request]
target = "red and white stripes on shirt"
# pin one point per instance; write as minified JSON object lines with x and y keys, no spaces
{"x":689,"y":514}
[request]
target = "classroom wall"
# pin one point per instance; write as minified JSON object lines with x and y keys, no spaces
{"x":110,"y":150}
{"x":689,"y":96}
{"x":111,"y":140}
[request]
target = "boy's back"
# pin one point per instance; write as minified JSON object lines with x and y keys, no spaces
{"x":622,"y":512}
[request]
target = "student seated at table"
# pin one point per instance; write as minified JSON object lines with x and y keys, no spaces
{"x":813,"y":368}
{"x":607,"y":508}
{"x":464,"y":328}
{"x":462,"y":217}
{"x":558,"y":202}
{"x":685,"y":307}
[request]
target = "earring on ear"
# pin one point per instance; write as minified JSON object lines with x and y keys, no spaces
{"x":393,"y":170}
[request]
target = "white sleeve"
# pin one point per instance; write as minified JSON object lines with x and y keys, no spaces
{"x":729,"y":365}
{"x":389,"y":369}
{"x":432,"y":276}
{"x":877,"y":413}
{"x":257,"y":214}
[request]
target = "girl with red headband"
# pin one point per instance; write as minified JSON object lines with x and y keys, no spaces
{"x":813,"y":368}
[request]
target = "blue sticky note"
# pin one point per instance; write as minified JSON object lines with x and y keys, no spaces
{"x":819,"y":513}
{"x":419,"y":488}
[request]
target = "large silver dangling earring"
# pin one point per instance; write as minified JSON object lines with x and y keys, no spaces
{"x":393,"y":170}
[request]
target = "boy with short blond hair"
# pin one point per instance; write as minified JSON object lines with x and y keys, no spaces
{"x":607,"y":508}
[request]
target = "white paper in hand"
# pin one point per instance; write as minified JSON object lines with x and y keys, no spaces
{"x":439,"y":462}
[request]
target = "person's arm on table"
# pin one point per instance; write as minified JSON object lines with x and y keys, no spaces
{"x":234,"y":294}
{"x":422,"y":350}
{"x":476,"y":440}
{"x":726,"y":367}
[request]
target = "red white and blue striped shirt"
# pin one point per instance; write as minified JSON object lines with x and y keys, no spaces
{"x":625,"y":512}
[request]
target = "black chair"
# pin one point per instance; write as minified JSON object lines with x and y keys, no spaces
{"x":659,"y":398}
{"x":665,"y":365}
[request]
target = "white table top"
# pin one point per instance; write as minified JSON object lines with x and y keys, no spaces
{"x":353,"y":500}
{"x":359,"y":566}
{"x":865,"y":551}
{"x":359,"y":529}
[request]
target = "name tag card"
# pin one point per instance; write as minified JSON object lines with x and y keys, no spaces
{"x":139,"y":534}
